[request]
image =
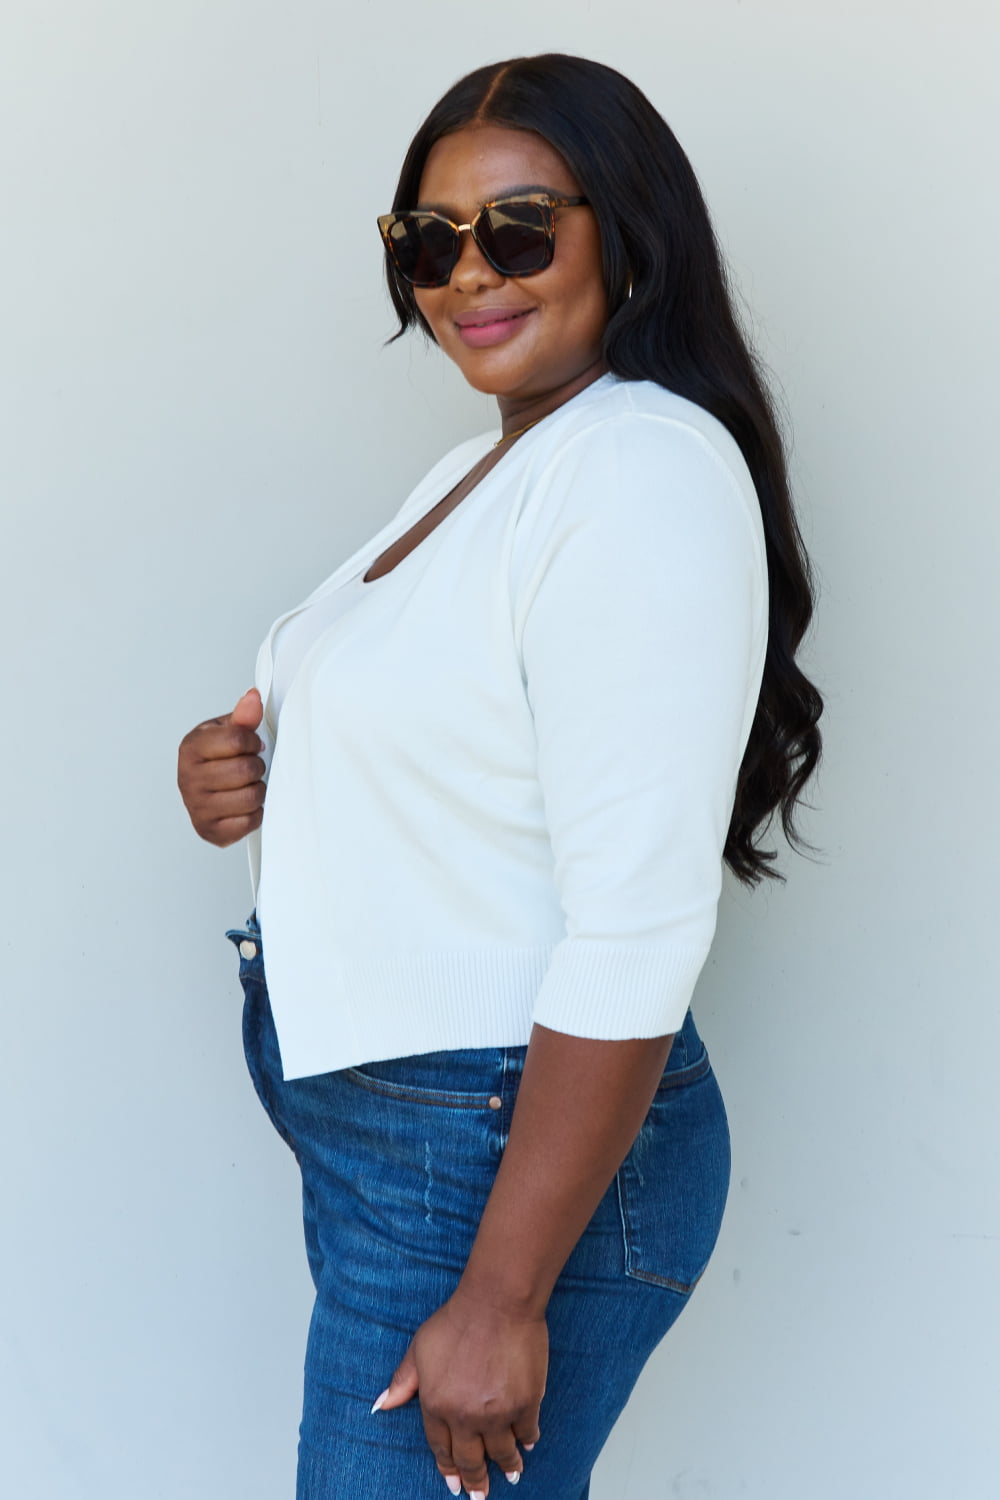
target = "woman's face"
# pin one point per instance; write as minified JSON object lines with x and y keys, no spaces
{"x":519,"y":339}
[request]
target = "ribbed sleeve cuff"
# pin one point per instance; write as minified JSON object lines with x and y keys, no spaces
{"x":614,"y":991}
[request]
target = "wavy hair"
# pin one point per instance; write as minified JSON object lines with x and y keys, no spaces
{"x":680,"y":329}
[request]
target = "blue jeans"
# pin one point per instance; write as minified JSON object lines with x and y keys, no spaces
{"x":397,"y":1161}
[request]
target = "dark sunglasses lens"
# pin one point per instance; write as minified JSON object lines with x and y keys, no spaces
{"x":514,"y":236}
{"x":423,"y":248}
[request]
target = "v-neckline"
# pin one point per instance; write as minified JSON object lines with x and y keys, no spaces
{"x":601,"y":381}
{"x":423,"y":540}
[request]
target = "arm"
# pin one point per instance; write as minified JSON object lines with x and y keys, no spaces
{"x":579,"y":1108}
{"x":578,"y":1111}
{"x":639,"y":608}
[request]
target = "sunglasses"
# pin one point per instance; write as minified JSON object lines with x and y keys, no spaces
{"x":517,"y":235}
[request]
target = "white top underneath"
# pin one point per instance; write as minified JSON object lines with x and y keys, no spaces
{"x":294,"y":639}
{"x":503,"y":772}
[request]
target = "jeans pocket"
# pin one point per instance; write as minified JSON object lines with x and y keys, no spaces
{"x":408,"y":1093}
{"x":478,"y":1078}
{"x":673,"y":1184}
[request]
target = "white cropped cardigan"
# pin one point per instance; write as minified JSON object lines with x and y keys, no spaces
{"x":502,"y":774}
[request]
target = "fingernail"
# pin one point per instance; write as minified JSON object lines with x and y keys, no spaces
{"x":477,"y":1495}
{"x":527,"y":1447}
{"x":377,"y":1404}
{"x":454,"y":1483}
{"x":513,"y":1476}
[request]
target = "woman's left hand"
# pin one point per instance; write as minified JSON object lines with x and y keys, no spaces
{"x":480,"y":1374}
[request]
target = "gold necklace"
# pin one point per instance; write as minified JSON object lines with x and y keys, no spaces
{"x":508,"y":435}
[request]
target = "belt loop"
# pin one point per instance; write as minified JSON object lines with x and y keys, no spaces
{"x":513,"y":1065}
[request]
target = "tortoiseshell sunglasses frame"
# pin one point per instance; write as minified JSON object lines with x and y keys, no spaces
{"x":547,"y":202}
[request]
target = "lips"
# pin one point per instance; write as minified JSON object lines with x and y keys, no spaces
{"x":483,"y":326}
{"x":477,"y":316}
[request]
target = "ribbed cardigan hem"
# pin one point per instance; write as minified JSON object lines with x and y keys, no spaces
{"x":430,"y":1002}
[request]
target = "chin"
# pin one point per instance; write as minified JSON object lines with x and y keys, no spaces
{"x":495,"y":380}
{"x":491,"y":386}
{"x":499,"y":371}
{"x":483,"y":381}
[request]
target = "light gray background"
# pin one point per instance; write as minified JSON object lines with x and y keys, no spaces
{"x":199,"y":422}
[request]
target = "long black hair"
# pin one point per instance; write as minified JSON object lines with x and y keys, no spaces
{"x":678,"y":328}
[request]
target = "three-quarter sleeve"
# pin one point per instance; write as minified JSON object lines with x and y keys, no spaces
{"x":640,"y":612}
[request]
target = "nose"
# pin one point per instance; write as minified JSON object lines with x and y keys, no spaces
{"x":472,"y":271}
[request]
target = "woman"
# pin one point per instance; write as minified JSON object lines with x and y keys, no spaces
{"x":510,"y":742}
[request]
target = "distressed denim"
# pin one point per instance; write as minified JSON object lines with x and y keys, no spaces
{"x":397,"y":1160}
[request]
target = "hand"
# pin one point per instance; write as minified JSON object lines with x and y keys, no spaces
{"x":219,"y":772}
{"x":480,"y":1374}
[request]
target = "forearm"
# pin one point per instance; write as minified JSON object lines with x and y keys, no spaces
{"x":579,"y":1108}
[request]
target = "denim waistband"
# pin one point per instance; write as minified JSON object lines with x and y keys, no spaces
{"x":687,"y":1051}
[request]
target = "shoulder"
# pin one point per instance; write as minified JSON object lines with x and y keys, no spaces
{"x":643,"y":411}
{"x":630,"y":453}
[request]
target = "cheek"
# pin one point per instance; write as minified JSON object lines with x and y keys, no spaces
{"x":587,"y":305}
{"x":582,"y":294}
{"x":429,"y":307}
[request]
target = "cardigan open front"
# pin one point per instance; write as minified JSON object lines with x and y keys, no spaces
{"x":500,"y":782}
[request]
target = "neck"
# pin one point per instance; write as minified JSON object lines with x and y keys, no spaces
{"x":517,"y":413}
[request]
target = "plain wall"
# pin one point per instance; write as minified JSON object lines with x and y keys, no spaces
{"x":200,"y":422}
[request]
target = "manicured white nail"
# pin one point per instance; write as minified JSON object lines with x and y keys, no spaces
{"x":527,"y":1447}
{"x":513,"y":1476}
{"x":454,"y":1483}
{"x":477,"y":1495}
{"x":377,"y":1405}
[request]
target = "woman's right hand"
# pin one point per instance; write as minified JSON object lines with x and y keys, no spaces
{"x":220,"y":773}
